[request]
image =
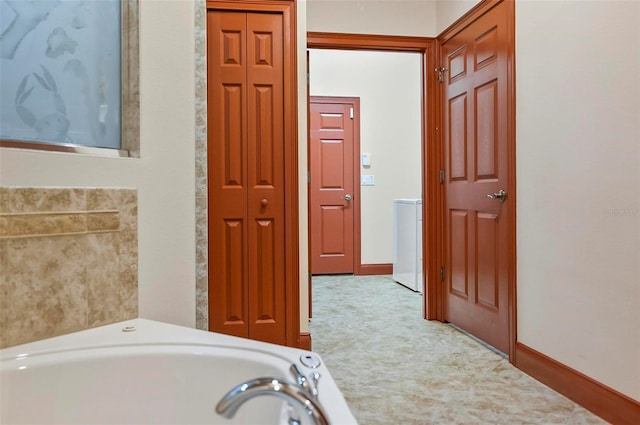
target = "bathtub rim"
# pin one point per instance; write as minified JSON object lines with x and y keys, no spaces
{"x":151,"y":333}
{"x":147,"y":332}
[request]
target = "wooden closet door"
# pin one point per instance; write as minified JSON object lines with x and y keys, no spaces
{"x":246,"y":175}
{"x":265,"y":128}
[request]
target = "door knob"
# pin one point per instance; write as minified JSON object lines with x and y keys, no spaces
{"x":347,"y":197}
{"x":501,"y":195}
{"x":264,"y":202}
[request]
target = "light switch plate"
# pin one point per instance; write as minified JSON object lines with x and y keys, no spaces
{"x":366,"y":160}
{"x":368,"y":180}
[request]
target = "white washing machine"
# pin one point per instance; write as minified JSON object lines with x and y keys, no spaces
{"x":407,"y":243}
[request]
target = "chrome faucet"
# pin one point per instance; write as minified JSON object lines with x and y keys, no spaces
{"x":302,"y":394}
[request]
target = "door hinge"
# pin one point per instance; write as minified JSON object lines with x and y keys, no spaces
{"x":351,"y":113}
{"x":442,"y":274}
{"x":308,"y":79}
{"x":441,"y":176}
{"x":440,"y":70}
{"x":308,"y":176}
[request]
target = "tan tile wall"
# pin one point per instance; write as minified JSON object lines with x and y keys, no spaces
{"x":68,"y":260}
{"x":202,"y":224}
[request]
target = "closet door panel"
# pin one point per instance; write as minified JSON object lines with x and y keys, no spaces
{"x":265,"y":116}
{"x":227,"y":173}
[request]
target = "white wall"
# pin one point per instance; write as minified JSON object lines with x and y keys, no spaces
{"x":302,"y":165}
{"x":390,"y":17}
{"x":578,"y":181}
{"x":388,"y":85}
{"x":448,"y":11}
{"x":163,"y":176}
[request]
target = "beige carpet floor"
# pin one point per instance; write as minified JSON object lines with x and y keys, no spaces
{"x":396,"y":368}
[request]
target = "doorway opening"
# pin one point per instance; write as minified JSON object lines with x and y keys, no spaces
{"x":388,"y":76}
{"x":468,"y":137}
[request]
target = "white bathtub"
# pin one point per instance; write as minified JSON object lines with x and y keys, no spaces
{"x":155,"y":374}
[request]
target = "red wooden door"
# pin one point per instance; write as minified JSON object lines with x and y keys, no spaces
{"x":331,"y":189}
{"x":476,"y":161}
{"x":246,"y":175}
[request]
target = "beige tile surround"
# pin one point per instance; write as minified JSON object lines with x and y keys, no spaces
{"x":202,"y":224}
{"x":68,"y":260}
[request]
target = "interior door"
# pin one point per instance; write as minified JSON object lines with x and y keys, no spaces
{"x":478,"y":215}
{"x":331,"y":188}
{"x":246,"y":175}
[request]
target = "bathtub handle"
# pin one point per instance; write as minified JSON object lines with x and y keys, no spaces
{"x":309,"y":383}
{"x":292,"y":393}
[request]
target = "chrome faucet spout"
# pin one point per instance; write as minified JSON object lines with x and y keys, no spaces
{"x":295,"y":394}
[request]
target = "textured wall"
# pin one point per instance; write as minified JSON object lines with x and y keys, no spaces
{"x":388,"y":85}
{"x":202,"y":221}
{"x":448,"y":11}
{"x":391,"y":17}
{"x":68,"y":260}
{"x":578,"y":174}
